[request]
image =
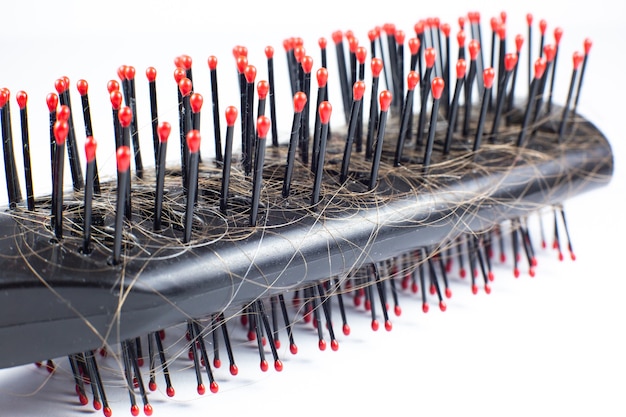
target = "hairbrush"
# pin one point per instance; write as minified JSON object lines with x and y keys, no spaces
{"x":445,"y":156}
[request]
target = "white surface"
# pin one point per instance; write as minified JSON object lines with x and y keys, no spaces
{"x":550,"y":345}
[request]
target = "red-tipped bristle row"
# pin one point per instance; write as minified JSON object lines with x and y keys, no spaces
{"x":429,"y":71}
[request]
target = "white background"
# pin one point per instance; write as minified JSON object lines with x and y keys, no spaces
{"x":550,"y":345}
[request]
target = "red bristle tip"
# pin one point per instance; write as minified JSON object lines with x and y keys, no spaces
{"x":61,"y":129}
{"x":372,"y":35}
{"x":375,"y":325}
{"x":82,"y":86}
{"x":385,"y":97}
{"x":400,"y":36}
{"x":474,"y":48}
{"x":487,"y":289}
{"x":164,"y":130}
{"x":516,"y":272}
{"x":293,"y":348}
{"x":152,"y":386}
{"x":321,"y":345}
{"x":123,"y":158}
{"x":299,"y":52}
{"x":474,"y":289}
{"x":502,"y":258}
{"x":488,"y":76}
{"x":358,"y":90}
{"x":60,"y":85}
{"x":412,"y":79}
{"x":334,"y":345}
{"x":474,"y":17}
{"x":519,"y":41}
{"x":337,"y":36}
{"x":242,"y":63}
{"x":414,"y":288}
{"x":125,"y":116}
{"x":82,"y":398}
{"x":201,"y":389}
{"x":529,"y":19}
{"x":561,"y":256}
{"x":233,"y":369}
{"x":531,"y":272}
{"x":322,"y":77}
{"x":298,"y":41}
{"x":322,"y":42}
{"x":460,"y":38}
{"x":397,"y":310}
{"x":550,"y":52}
{"x":307,"y":64}
{"x":299,"y":100}
{"x":414,"y":45}
{"x":151,"y":74}
{"x":288,"y":44}
{"x":442,"y":306}
{"x":367,"y":305}
{"x":52,"y":101}
{"x":134,"y":410}
{"x":278,"y":365}
{"x":533,"y":261}
{"x":587,"y":45}
{"x":170,"y":391}
{"x":436,"y":22}
{"x":361,"y":54}
{"x":462,"y":273}
{"x":212,"y":62}
{"x":107,"y":412}
{"x":388,"y":326}
{"x":461,"y":68}
{"x":116,"y":99}
{"x":240,"y":50}
{"x":429,"y":56}
{"x":503,"y":16}
{"x":543,"y":25}
{"x":250,"y":73}
{"x":21,"y":98}
{"x":185,"y":86}
{"x":502,"y":32}
{"x":251,"y":336}
{"x":572,"y":256}
{"x":461,"y":22}
{"x":325,"y":111}
{"x":495,"y":24}
{"x":432,"y":289}
{"x":262,"y":89}
{"x":178,"y":61}
{"x":389,"y":28}
{"x":345,"y":329}
{"x":147,"y":409}
{"x":193,"y":141}
{"x":540,"y":67}
{"x":196,"y":100}
{"x":425,"y":307}
{"x":445,"y":28}
{"x":263,"y":341}
{"x":419,"y":27}
{"x":90,"y":148}
{"x":437,"y":87}
{"x":263,"y":126}
{"x":129,"y":72}
{"x":558,"y":34}
{"x":377,"y":66}
{"x":264,"y":365}
{"x":277,"y":343}
{"x":97,"y":405}
{"x":231,"y":115}
{"x":448,"y":293}
{"x":121,"y":72}
{"x":187,"y":61}
{"x":214,"y":387}
{"x":113,"y":85}
{"x":578,"y":59}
